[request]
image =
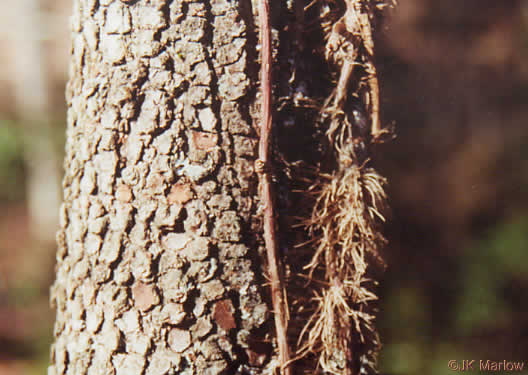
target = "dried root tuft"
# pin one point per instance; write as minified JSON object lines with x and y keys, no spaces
{"x":348,"y":204}
{"x":345,"y":224}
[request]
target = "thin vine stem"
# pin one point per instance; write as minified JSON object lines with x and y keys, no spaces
{"x":270,"y":236}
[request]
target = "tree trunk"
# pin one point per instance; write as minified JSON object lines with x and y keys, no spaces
{"x":160,"y":236}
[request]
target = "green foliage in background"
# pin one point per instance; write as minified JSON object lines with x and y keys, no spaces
{"x":495,"y":278}
{"x":491,"y":292}
{"x":11,"y":162}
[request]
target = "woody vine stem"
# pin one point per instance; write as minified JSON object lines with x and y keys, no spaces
{"x":270,"y":236}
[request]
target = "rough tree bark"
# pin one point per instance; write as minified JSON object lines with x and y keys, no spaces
{"x":160,"y":234}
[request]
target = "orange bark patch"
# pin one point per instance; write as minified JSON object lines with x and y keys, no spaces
{"x":204,"y":141}
{"x":123,"y":193}
{"x":144,"y":296}
{"x":155,"y":181}
{"x":180,"y":193}
{"x":223,"y":314}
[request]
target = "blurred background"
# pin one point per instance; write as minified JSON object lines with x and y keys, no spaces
{"x":34,"y":40}
{"x":454,"y":78}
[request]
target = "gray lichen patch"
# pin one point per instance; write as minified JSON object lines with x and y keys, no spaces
{"x":118,"y":20}
{"x":233,"y":86}
{"x":212,"y":290}
{"x":202,"y":327}
{"x":179,"y":339}
{"x":197,"y":249}
{"x":173,"y":313}
{"x":227,"y":227}
{"x":161,"y":362}
{"x":128,"y":364}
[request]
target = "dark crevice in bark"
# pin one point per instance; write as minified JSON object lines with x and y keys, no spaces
{"x":113,"y":265}
{"x":247,"y":13}
{"x":241,"y":355}
{"x":208,"y":40}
